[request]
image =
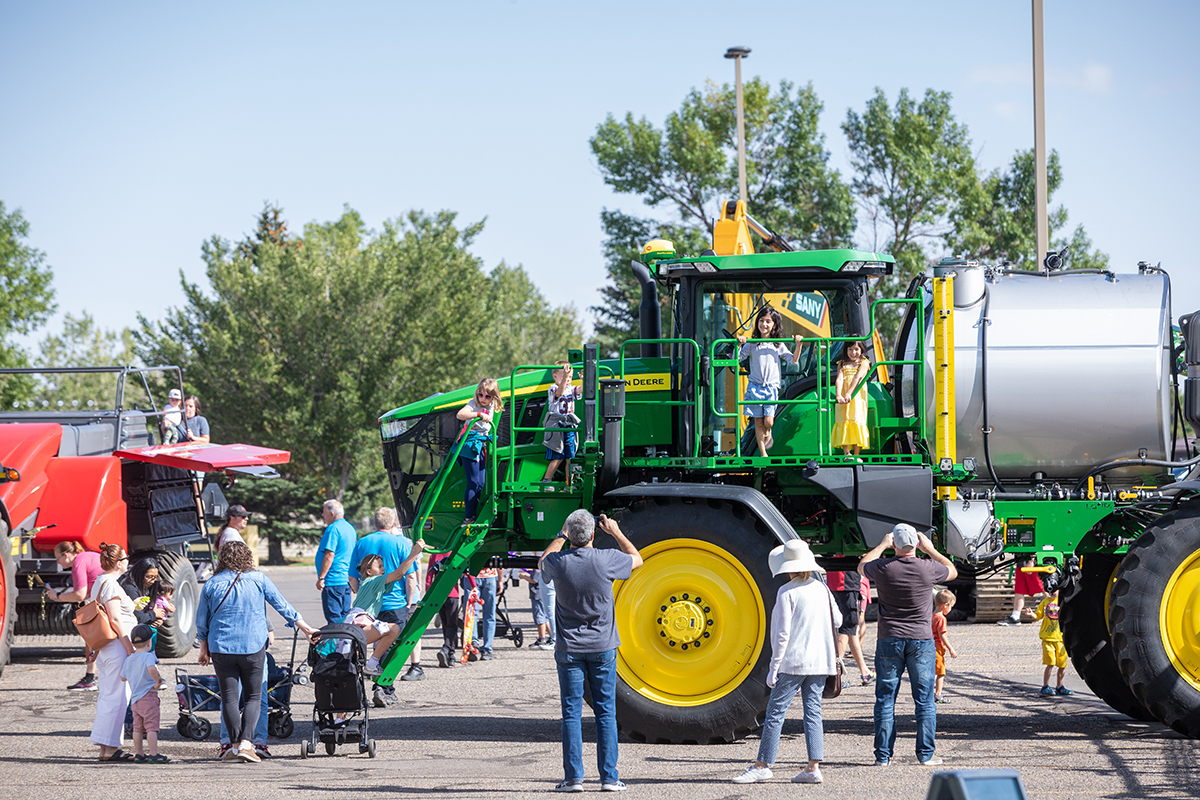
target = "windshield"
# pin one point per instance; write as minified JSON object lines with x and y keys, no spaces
{"x":728,"y":309}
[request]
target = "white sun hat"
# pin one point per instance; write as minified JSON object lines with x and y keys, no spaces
{"x":795,"y":556}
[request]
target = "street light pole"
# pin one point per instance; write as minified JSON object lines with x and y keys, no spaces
{"x":737,"y":54}
{"x":1039,"y":139}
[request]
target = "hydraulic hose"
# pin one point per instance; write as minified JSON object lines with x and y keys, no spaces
{"x":984,"y":323}
{"x":1136,"y":462}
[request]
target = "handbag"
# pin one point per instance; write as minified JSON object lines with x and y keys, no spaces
{"x":833,"y":684}
{"x":94,"y":626}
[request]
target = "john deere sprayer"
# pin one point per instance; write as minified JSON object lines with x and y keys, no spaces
{"x":1021,"y":413}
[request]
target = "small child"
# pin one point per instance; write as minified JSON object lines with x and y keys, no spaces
{"x":943,"y":601}
{"x":483,"y":408}
{"x":140,"y":672}
{"x":164,"y":591}
{"x":560,"y":413}
{"x":766,"y":374}
{"x":371,"y":588}
{"x":172,"y":417}
{"x":850,"y":417}
{"x":1054,"y":654}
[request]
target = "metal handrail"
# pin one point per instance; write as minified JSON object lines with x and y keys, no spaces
{"x":695,"y":403}
{"x":824,"y":371}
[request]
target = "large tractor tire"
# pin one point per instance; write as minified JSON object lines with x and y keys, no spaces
{"x":693,"y":619}
{"x":1153,"y":617}
{"x":1084,"y":619}
{"x":8,"y":595}
{"x":176,"y":634}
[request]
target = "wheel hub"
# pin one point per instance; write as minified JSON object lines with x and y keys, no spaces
{"x":682,"y":620}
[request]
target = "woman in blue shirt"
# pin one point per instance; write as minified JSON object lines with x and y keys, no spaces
{"x":231,"y":626}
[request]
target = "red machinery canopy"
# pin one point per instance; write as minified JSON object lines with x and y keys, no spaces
{"x":206,"y":457}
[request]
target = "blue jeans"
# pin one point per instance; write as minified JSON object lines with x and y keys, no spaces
{"x":260,"y":727}
{"x":335,"y":602}
{"x":487,"y":615}
{"x":548,"y":598}
{"x":476,"y":471}
{"x":600,"y":672}
{"x":786,"y":689}
{"x":892,"y":658}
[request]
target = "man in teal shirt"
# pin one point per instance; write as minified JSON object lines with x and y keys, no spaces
{"x":333,"y":562}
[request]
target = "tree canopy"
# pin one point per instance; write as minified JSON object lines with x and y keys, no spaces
{"x":689,"y":165}
{"x":301,"y":343}
{"x":26,"y":296}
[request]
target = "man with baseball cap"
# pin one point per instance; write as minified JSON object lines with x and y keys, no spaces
{"x":236,"y":522}
{"x":905,"y":637}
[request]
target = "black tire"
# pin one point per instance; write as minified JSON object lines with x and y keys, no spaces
{"x":712,"y":704}
{"x":183,"y":727}
{"x":1084,"y":620}
{"x":518,"y":637}
{"x":285,"y":727}
{"x":200,"y":728}
{"x":8,"y":596}
{"x":178,"y":632}
{"x":370,"y":748}
{"x":1167,"y":552}
{"x":330,"y":748}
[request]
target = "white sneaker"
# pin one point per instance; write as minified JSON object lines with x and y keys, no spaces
{"x":933,"y":761}
{"x":754,"y":774}
{"x":809,"y":777}
{"x":569,"y":786}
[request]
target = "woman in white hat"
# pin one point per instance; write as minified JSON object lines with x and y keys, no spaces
{"x":803,"y":655}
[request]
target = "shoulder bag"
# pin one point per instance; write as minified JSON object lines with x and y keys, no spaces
{"x":833,"y":684}
{"x":92,"y":622}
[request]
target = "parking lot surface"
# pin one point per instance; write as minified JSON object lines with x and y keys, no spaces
{"x":491,"y":729}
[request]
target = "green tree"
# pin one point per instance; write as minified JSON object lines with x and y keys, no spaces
{"x":301,"y":343}
{"x":690,"y":165}
{"x":913,"y":169}
{"x":83,"y":344}
{"x":1000,"y":223}
{"x":26,"y":298}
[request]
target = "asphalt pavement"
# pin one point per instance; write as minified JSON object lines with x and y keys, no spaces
{"x":491,"y":729}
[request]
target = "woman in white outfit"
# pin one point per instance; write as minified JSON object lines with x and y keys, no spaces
{"x":112,"y":696}
{"x":803,"y":655}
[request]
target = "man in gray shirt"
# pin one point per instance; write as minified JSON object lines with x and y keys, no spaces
{"x":587,"y":639}
{"x":905,"y":637}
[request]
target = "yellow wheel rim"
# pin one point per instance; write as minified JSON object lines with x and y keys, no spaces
{"x":692,"y":623}
{"x":1179,"y":619}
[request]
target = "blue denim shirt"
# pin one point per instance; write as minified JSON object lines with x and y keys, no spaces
{"x":239,"y":626}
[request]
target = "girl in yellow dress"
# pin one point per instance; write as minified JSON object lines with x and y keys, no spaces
{"x":850,"y":429}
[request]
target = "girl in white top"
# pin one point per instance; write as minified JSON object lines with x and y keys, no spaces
{"x":112,"y":695}
{"x":803,"y":655}
{"x":765,"y":374}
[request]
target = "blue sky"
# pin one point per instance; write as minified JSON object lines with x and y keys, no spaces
{"x":134,"y":131}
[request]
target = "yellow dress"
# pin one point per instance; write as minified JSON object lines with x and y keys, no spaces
{"x":850,"y":420}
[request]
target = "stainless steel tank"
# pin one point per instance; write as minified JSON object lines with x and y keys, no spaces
{"x":1078,"y":369}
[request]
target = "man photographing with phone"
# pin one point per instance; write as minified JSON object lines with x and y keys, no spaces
{"x":587,"y":639}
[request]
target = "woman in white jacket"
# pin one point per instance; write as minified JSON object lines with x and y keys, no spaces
{"x":803,"y":655}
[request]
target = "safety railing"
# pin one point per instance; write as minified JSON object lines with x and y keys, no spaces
{"x":825,"y":373}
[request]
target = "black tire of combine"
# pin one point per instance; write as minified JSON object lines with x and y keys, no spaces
{"x":8,"y":582}
{"x":1137,"y":598}
{"x":1087,"y":639}
{"x":178,"y":632}
{"x":742,"y":710}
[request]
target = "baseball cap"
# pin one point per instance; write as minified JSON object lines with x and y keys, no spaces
{"x":238,"y":511}
{"x":140,"y":633}
{"x":175,"y":394}
{"x":904,"y":537}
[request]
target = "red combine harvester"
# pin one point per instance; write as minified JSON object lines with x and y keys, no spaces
{"x":76,"y":468}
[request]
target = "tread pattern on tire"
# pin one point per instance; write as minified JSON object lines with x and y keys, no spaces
{"x":1136,"y":633}
{"x":1086,"y":637}
{"x":175,"y":635}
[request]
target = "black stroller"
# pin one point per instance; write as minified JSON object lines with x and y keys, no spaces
{"x":337,"y":663}
{"x":504,"y":627}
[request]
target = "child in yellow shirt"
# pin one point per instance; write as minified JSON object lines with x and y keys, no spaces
{"x":1053,"y":652}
